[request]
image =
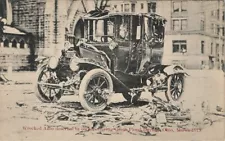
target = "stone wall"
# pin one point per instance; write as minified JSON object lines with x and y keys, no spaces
{"x":28,"y":15}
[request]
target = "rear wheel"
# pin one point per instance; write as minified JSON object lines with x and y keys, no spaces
{"x":94,"y":89}
{"x":45,"y":93}
{"x":175,"y":87}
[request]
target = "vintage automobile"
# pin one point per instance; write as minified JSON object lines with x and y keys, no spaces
{"x":117,"y":53}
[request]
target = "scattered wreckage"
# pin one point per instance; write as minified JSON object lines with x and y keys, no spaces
{"x":118,"y":53}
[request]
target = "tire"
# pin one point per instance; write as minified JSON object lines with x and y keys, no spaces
{"x":39,"y":92}
{"x":96,"y":90}
{"x":128,"y":97}
{"x":175,"y":87}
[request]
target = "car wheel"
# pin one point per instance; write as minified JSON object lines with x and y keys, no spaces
{"x":45,"y":93}
{"x":175,"y":87}
{"x":94,"y":89}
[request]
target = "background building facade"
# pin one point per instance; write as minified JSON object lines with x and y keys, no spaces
{"x":194,"y":30}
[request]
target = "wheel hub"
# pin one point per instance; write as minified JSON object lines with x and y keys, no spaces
{"x":98,"y":90}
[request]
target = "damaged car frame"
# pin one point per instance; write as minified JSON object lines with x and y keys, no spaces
{"x":117,"y":53}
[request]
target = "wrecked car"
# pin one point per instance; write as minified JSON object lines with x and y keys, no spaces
{"x":117,"y":53}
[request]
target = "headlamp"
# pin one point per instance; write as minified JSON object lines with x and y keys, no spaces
{"x":53,"y":62}
{"x":74,"y":66}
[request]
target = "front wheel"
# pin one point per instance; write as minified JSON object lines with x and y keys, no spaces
{"x":175,"y":87}
{"x":45,"y":93}
{"x":94,"y":89}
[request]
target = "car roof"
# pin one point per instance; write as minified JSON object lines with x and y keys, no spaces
{"x":100,"y":16}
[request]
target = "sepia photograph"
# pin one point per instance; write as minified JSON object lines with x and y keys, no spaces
{"x":112,"y":70}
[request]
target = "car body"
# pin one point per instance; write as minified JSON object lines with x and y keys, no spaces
{"x":117,"y":53}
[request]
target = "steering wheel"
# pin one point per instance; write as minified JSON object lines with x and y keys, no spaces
{"x":108,"y":36}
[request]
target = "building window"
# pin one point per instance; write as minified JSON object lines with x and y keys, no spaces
{"x":176,"y":7}
{"x":22,"y":44}
{"x":180,"y":6}
{"x":211,"y":49}
{"x":6,"y":43}
{"x":115,"y":7}
{"x":212,"y":13}
{"x":152,"y":7}
{"x":223,"y":16}
{"x":223,"y":49}
{"x":14,"y":43}
{"x":142,"y":6}
{"x":132,"y":7}
{"x":178,"y":24}
{"x":212,"y":28}
{"x":183,"y":6}
{"x":223,"y":32}
{"x":121,"y":7}
{"x":183,"y":24}
{"x":218,"y":29}
{"x":218,"y":14}
{"x":202,"y":47}
{"x":202,"y":25}
{"x":217,"y":49}
{"x":179,"y":46}
{"x":126,"y":7}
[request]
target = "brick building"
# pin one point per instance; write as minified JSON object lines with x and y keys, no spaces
{"x":15,"y":44}
{"x":49,"y":20}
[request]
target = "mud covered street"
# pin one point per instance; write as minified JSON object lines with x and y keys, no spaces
{"x":200,"y":115}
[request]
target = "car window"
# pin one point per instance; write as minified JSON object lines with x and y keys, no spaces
{"x":123,"y":24}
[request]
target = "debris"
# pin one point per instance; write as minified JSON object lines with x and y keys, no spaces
{"x":219,"y":109}
{"x":127,"y":122}
{"x":97,"y":125}
{"x":161,"y":118}
{"x":62,"y":117}
{"x":180,"y":118}
{"x":145,"y":120}
{"x":3,"y":78}
{"x":20,"y":104}
{"x":36,"y":109}
{"x":219,"y":114}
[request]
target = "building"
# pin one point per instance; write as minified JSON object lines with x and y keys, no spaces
{"x":194,"y":29}
{"x":15,"y":44}
{"x":50,"y":21}
{"x":194,"y":33}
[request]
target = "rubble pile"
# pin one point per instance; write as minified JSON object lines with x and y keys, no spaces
{"x":147,"y":120}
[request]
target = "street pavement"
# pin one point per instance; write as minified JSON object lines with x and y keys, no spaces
{"x":18,"y":102}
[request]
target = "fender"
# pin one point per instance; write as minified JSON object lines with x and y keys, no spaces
{"x":175,"y":69}
{"x":83,"y":61}
{"x":90,"y":62}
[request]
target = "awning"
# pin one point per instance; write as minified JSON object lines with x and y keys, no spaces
{"x":12,"y":30}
